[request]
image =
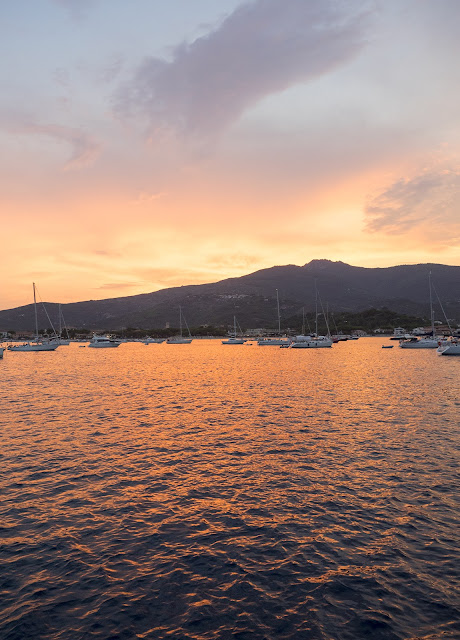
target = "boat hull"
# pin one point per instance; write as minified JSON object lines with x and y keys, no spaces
{"x":449,"y":350}
{"x":33,"y":347}
{"x":103,"y":346}
{"x":311,"y":344}
{"x":419,"y":344}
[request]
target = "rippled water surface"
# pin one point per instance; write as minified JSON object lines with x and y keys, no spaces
{"x":211,"y":492}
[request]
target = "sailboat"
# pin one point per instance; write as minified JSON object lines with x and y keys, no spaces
{"x":37,"y":345}
{"x":275,"y":342}
{"x":233,"y":339}
{"x":59,"y":339}
{"x":423,"y":343}
{"x":312,"y":341}
{"x":180,"y":339}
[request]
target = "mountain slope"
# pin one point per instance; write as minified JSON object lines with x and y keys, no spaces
{"x":252,"y":298}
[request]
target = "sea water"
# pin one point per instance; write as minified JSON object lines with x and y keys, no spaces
{"x":205,"y":492}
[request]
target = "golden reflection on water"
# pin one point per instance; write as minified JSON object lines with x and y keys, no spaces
{"x":235,"y":473}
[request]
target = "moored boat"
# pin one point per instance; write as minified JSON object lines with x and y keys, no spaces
{"x":180,"y":339}
{"x":103,"y":342}
{"x":311,"y":342}
{"x":38,"y":344}
{"x":233,"y":339}
{"x":450,"y":348}
{"x":419,"y":343}
{"x":275,"y":341}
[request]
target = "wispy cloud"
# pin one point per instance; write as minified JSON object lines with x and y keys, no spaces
{"x":84,"y":148}
{"x":263,"y":47}
{"x":429,"y":200}
{"x":77,"y":8}
{"x":144,"y":197}
{"x":108,"y":286}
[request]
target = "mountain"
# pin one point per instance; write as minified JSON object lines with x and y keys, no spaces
{"x":252,"y":298}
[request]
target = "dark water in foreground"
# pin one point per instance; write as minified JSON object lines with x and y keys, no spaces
{"x":211,"y":492}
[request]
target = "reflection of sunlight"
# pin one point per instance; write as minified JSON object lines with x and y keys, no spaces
{"x":206,"y":467}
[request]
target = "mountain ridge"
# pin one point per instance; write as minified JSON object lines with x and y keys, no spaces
{"x":252,"y":297}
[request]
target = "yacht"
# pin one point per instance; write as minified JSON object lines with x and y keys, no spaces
{"x":103,"y":342}
{"x":449,"y":348}
{"x":149,"y":340}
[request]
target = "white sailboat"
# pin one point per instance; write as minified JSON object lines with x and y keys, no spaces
{"x":275,"y":342}
{"x":312,"y":341}
{"x":233,"y":339}
{"x":423,"y":343}
{"x":59,"y":339}
{"x":37,"y":345}
{"x":181,"y":339}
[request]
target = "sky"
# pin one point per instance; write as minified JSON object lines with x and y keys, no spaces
{"x":150,"y":144}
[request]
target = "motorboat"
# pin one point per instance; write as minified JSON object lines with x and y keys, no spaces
{"x":149,"y":340}
{"x":103,"y":342}
{"x":449,"y":348}
{"x":234,"y":340}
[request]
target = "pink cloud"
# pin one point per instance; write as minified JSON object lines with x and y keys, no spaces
{"x":84,"y":148}
{"x":428,"y":202}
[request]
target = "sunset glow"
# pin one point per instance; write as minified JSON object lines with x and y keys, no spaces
{"x":149,"y":144}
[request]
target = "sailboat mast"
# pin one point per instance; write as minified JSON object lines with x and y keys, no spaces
{"x":180,"y":320}
{"x":431,"y":306}
{"x":316,"y":309}
{"x":60,"y":321}
{"x":35,"y":310}
{"x":278,"y":307}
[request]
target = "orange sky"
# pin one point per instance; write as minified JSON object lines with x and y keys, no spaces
{"x":173,"y":157}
